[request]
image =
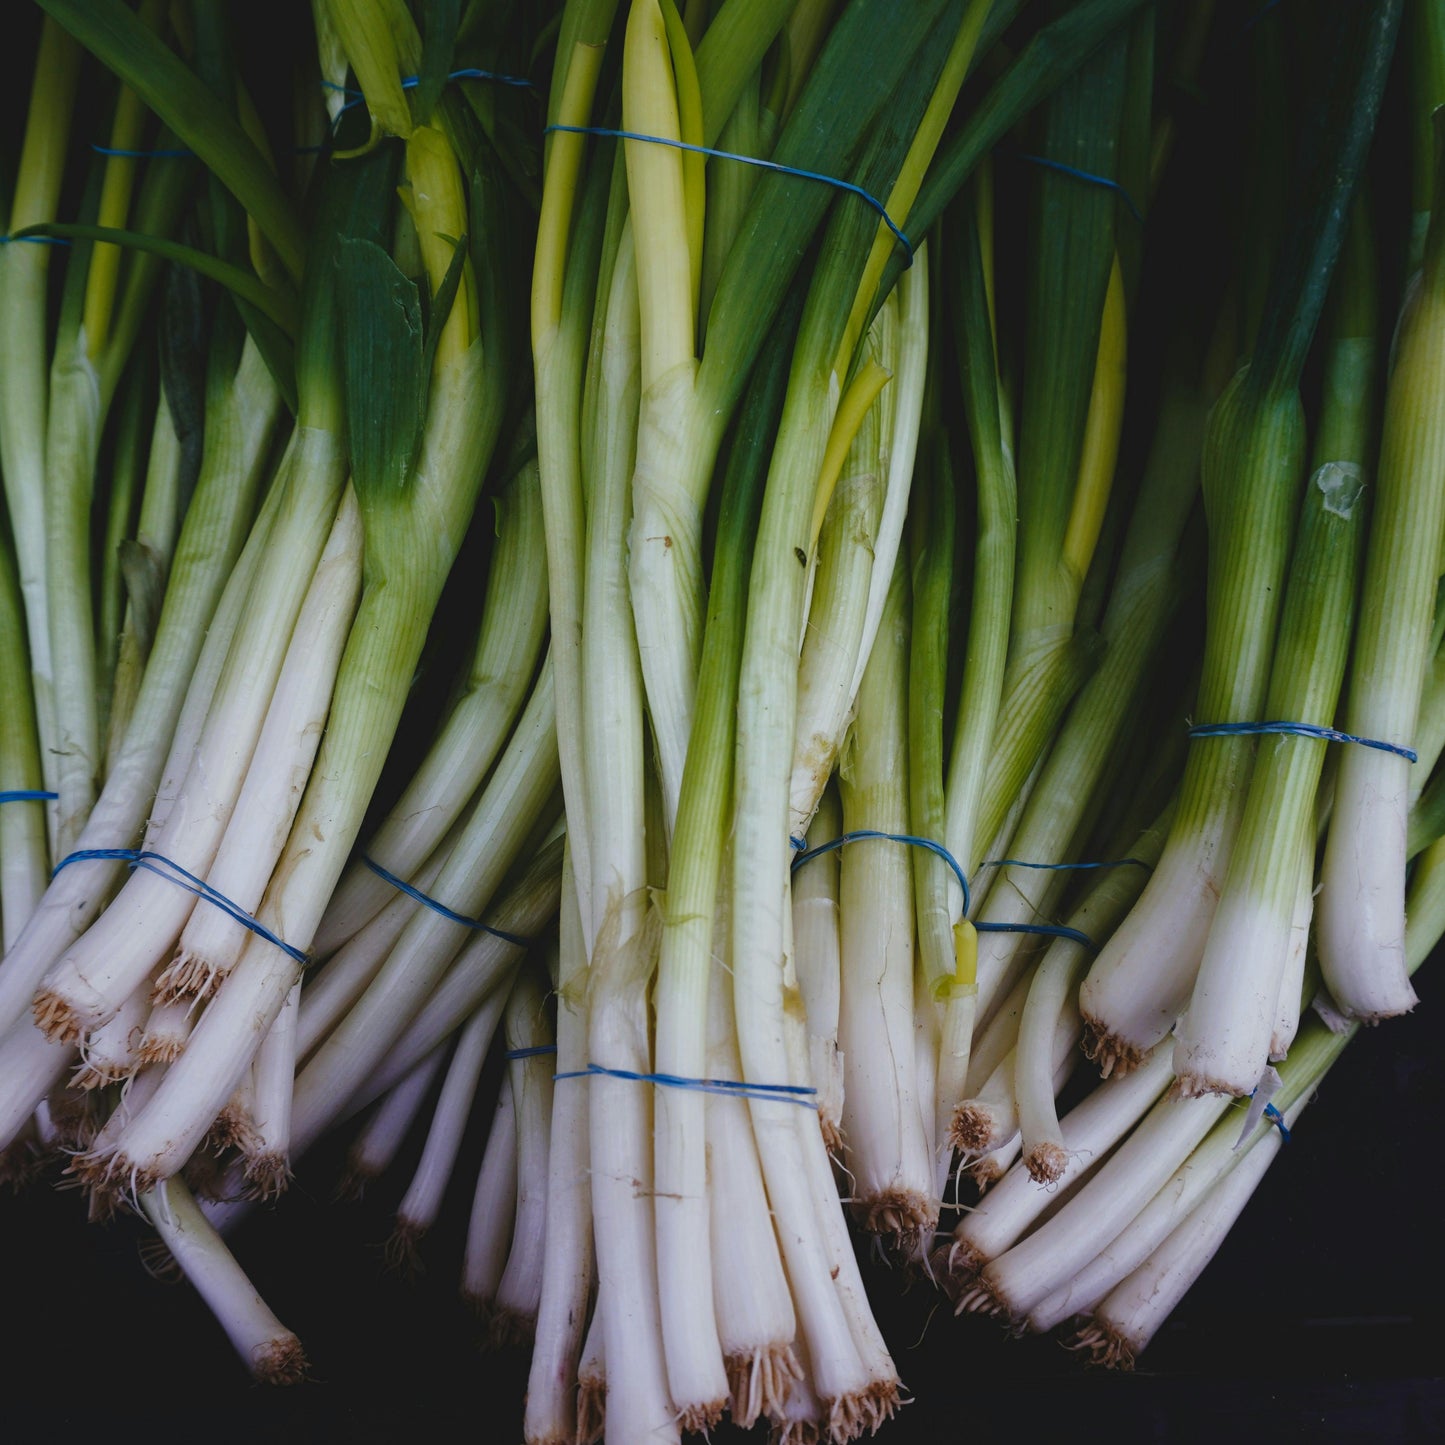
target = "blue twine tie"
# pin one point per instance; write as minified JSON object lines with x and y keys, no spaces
{"x":1048,"y":930}
{"x":1064,"y":867}
{"x":730,"y":1088}
{"x":27,"y":795}
{"x":35,"y":240}
{"x":178,"y":154}
{"x":1277,"y":1119}
{"x":437,"y":907}
{"x":410,"y":82}
{"x":778,"y":166}
{"x":1087,"y":176}
{"x":530,"y":1053}
{"x":862,"y":833}
{"x":1302,"y":730}
{"x":172,"y":872}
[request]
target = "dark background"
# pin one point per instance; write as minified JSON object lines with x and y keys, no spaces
{"x":1316,"y":1319}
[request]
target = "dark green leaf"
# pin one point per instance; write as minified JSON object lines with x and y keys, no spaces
{"x":384,"y":365}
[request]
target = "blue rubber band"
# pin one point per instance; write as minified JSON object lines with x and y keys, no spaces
{"x":163,"y":155}
{"x":27,"y":795}
{"x":775,"y":1093}
{"x":1277,"y":1119}
{"x":172,"y":872}
{"x":448,"y":913}
{"x":1088,"y":176}
{"x":530,"y":1053}
{"x":863,"y":833}
{"x":766,"y":165}
{"x":1302,"y":730}
{"x":1063,"y":867}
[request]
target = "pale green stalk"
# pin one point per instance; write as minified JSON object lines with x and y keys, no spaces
{"x":1360,"y":915}
{"x":242,"y":414}
{"x":837,"y":608}
{"x":567,"y":1269}
{"x":142,"y":563}
{"x":1146,"y":592}
{"x":883,"y":1128}
{"x":509,"y":642}
{"x":698,"y":1331}
{"x":1223,"y":1040}
{"x":1251,"y":467}
{"x":23,"y":860}
{"x":640,"y":1386}
{"x":24,"y":391}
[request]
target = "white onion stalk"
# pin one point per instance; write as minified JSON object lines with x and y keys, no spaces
{"x":167,"y":1028}
{"x":421,"y":1203}
{"x":212,"y":940}
{"x":1025,"y":1275}
{"x":1053,"y":995}
{"x":927,"y":1034}
{"x":879,"y":1399}
{"x":818,"y":959}
{"x":30,"y":1067}
{"x":1125,"y":1322}
{"x":198,"y":619}
{"x":756,"y":1324}
{"x":621,"y":956}
{"x":273,"y":1071}
{"x":998,"y":1035}
{"x":886,"y":1141}
{"x":1199,"y":1177}
{"x":113,"y":1051}
{"x":494,"y":1203}
{"x":592,"y":1385}
{"x":991,"y":1168}
{"x":838,"y":604}
{"x":1091,"y":1128}
{"x":271,"y":1352}
{"x":514,"y":614}
{"x":1292,"y":981}
{"x":383,"y":1134}
{"x":86,"y":984}
{"x":1360,"y":917}
{"x":514,"y":1316}
{"x":552,"y":1415}
{"x":990,"y":1119}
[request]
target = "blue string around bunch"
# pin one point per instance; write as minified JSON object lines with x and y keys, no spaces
{"x":436,"y":906}
{"x":172,"y":872}
{"x":1300,"y":730}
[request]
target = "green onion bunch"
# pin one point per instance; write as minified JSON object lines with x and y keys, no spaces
{"x":721,"y":624}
